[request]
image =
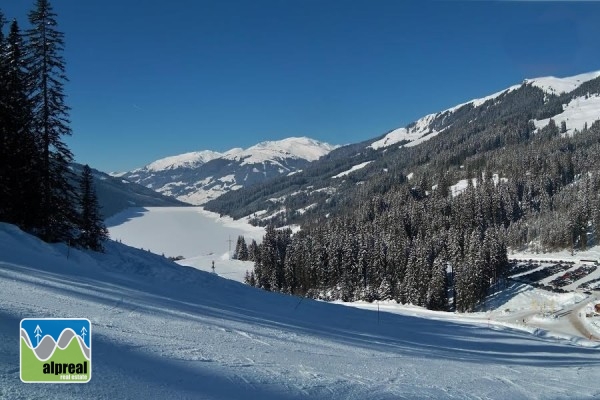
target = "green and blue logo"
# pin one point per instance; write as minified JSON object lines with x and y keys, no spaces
{"x":56,"y":350}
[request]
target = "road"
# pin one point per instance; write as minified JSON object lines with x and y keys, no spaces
{"x":576,"y":320}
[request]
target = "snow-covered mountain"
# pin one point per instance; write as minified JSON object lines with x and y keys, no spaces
{"x":585,"y":110}
{"x":200,"y":176}
{"x":186,"y":160}
{"x":458,"y":131}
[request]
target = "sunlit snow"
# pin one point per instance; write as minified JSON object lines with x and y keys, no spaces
{"x":579,"y":112}
{"x":354,"y":168}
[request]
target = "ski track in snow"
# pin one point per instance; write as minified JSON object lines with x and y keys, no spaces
{"x":166,"y":331}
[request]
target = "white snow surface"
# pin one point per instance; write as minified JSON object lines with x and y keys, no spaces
{"x":576,"y":114}
{"x":462,"y":184}
{"x":293,"y":147}
{"x":202,"y":196}
{"x":200,"y":236}
{"x":415,"y":135}
{"x":179,"y":230}
{"x":554,"y":85}
{"x":354,"y":168}
{"x":165,"y":331}
{"x":186,"y":160}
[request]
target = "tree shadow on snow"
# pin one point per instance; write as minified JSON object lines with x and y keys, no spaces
{"x":125,"y":216}
{"x":207,"y":299}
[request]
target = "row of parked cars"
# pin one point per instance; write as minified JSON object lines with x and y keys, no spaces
{"x":542,"y":274}
{"x":594,"y":284}
{"x":572,"y":276}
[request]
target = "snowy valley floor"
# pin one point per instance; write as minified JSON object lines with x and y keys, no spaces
{"x":161,"y":330}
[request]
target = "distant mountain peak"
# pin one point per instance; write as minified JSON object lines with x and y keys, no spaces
{"x":199,"y":176}
{"x":186,"y":160}
{"x":302,"y":148}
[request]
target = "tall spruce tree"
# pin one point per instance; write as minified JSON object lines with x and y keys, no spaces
{"x":21,"y":157}
{"x":92,"y":229}
{"x":253,"y":251}
{"x":50,"y":122}
{"x":241,"y":249}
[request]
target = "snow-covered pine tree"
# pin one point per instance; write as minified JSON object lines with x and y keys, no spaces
{"x":266,"y":275}
{"x":243,"y":254}
{"x":436,"y":290}
{"x":292,"y":265}
{"x":253,"y":251}
{"x":92,"y":231}
{"x":50,"y":122}
{"x":247,"y":278}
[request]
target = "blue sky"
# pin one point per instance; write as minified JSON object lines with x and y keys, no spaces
{"x":156,"y":78}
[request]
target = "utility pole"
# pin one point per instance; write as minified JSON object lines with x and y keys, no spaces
{"x":230,"y":245}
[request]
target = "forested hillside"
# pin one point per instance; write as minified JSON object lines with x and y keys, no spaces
{"x":380,"y":235}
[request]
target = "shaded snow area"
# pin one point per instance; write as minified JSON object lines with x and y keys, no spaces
{"x":165,"y":331}
{"x":199,"y":236}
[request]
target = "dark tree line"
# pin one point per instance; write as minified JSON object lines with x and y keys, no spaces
{"x":38,"y":191}
{"x":410,"y":246}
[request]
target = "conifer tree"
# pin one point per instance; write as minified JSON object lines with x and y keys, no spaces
{"x":50,"y":122}
{"x":20,"y":161}
{"x":253,"y":251}
{"x":436,"y":290}
{"x":241,"y":250}
{"x":92,"y":230}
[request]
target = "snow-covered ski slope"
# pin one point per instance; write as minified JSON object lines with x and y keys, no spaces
{"x":165,"y":331}
{"x":202,"y":236}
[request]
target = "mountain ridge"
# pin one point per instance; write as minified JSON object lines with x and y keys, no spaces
{"x":421,"y":129}
{"x":197,"y":177}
